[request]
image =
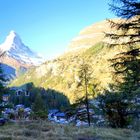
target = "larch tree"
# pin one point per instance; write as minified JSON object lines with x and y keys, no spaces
{"x":85,"y":86}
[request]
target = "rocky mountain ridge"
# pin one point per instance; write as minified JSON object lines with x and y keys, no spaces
{"x":90,"y":36}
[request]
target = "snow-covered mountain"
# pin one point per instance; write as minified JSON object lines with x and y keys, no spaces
{"x":15,"y":48}
{"x":18,"y":58}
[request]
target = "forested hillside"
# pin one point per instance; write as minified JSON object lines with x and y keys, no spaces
{"x":61,"y":74}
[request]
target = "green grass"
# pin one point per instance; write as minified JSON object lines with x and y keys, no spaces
{"x":43,"y":130}
{"x":94,"y":50}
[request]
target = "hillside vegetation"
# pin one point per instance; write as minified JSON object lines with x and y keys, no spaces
{"x":61,"y":74}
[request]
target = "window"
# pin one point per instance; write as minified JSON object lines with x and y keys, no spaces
{"x":19,"y":93}
{"x":27,"y":93}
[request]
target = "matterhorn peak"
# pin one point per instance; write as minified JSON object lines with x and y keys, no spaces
{"x":15,"y":48}
{"x":12,"y":40}
{"x":12,"y":35}
{"x":12,"y":32}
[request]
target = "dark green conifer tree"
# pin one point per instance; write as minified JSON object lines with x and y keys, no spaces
{"x":119,"y":103}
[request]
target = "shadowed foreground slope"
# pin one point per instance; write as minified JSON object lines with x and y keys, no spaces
{"x":42,"y":130}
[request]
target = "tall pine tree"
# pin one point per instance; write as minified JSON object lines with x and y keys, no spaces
{"x":119,"y":103}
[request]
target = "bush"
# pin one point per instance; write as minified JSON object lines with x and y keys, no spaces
{"x":40,"y":115}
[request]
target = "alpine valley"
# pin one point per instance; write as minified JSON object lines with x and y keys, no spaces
{"x":61,"y":73}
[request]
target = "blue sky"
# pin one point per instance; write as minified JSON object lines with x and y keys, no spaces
{"x":47,"y":26}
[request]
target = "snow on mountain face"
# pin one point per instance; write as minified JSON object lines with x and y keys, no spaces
{"x":14,"y":47}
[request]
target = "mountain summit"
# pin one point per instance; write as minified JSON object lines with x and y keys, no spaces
{"x":15,"y":48}
{"x":18,"y":57}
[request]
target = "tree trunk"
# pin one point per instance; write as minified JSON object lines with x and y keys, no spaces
{"x":87,"y":103}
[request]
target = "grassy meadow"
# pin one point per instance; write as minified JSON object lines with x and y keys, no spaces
{"x":43,"y":130}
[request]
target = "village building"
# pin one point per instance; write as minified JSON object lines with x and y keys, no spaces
{"x":5,"y":97}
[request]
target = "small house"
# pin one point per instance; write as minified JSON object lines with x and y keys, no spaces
{"x":5,"y":97}
{"x":22,"y":92}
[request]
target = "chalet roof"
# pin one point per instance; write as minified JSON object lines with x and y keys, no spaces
{"x":53,"y":111}
{"x":5,"y":95}
{"x":60,"y":114}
